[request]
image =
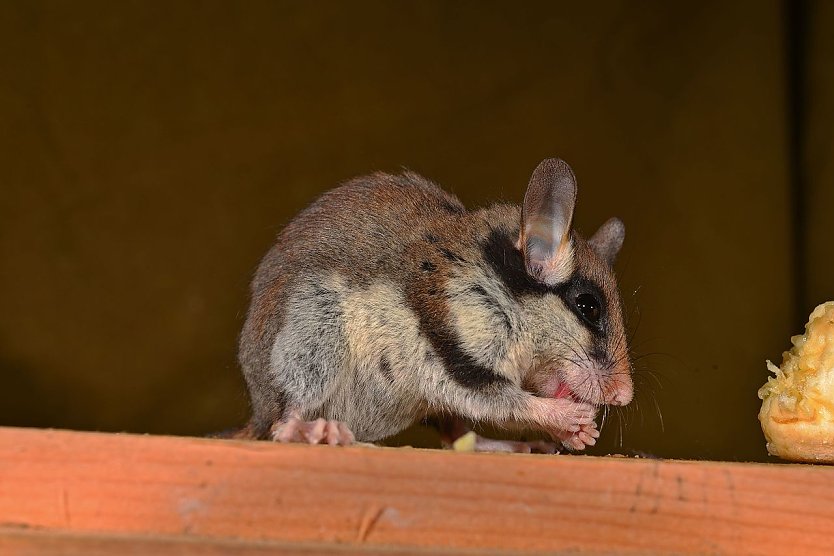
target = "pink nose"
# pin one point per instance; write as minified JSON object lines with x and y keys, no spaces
{"x":622,"y":395}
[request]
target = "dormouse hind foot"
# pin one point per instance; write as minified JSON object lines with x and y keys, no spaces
{"x":320,"y":431}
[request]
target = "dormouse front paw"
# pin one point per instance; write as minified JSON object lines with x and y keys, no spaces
{"x":586,"y":436}
{"x":568,"y":421}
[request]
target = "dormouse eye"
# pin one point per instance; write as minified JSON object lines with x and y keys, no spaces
{"x":588,"y":306}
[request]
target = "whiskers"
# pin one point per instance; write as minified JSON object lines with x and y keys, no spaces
{"x":647,"y":381}
{"x":626,"y":369}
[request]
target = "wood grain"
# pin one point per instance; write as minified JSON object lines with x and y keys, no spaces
{"x":220,"y":490}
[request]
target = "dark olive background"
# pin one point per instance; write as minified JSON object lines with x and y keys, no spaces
{"x":150,"y":151}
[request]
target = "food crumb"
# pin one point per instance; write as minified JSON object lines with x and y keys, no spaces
{"x":465,"y":443}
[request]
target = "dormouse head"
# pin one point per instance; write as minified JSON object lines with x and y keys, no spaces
{"x":580,"y":346}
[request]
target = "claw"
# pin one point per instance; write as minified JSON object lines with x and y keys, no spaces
{"x":316,"y":433}
{"x":586,"y":438}
{"x":592,"y":431}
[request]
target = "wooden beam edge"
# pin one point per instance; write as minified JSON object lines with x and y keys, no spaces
{"x":220,"y":490}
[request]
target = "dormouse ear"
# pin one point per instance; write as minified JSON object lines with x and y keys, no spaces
{"x":545,"y":222}
{"x":608,"y":240}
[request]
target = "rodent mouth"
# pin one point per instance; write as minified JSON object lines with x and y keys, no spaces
{"x":553,"y":385}
{"x":563,"y":391}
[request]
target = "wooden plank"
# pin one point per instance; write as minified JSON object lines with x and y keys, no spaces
{"x":258,"y":491}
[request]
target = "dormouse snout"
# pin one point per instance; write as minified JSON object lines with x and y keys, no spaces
{"x":591,"y":381}
{"x":622,"y":391}
{"x":622,"y":398}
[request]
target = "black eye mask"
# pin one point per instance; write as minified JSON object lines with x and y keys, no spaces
{"x":585,"y":299}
